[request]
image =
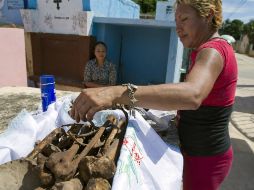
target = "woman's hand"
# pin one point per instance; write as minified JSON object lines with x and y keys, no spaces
{"x":90,"y":101}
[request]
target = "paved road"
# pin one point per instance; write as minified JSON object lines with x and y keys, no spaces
{"x":242,"y":133}
{"x":246,"y":68}
{"x":243,"y":115}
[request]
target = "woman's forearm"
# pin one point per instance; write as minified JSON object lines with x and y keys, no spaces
{"x":93,"y":85}
{"x":162,"y":97}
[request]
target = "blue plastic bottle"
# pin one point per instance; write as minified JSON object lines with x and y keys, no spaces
{"x":48,"y":96}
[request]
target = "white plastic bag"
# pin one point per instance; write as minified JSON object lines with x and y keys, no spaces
{"x":161,"y":118}
{"x":18,"y":140}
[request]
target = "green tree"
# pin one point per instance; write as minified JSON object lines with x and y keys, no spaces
{"x":249,"y":30}
{"x":233,"y":28}
{"x":146,"y":6}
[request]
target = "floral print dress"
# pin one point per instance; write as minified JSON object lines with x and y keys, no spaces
{"x":105,"y":75}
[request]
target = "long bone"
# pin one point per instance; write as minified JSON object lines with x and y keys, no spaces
{"x":112,"y":135}
{"x":47,"y":140}
{"x":102,"y":167}
{"x":60,"y":163}
{"x":46,"y":178}
{"x":63,"y":166}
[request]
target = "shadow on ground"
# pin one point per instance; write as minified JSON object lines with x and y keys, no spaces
{"x":244,"y":104}
{"x":242,"y":172}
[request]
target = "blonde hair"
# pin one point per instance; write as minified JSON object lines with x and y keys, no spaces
{"x":203,"y":7}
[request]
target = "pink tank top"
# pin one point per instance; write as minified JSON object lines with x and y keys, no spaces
{"x":223,"y":91}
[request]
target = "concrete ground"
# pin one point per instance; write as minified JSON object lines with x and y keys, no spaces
{"x":242,"y":172}
{"x":242,"y":129}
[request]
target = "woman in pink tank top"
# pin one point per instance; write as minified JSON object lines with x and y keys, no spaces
{"x":204,"y":99}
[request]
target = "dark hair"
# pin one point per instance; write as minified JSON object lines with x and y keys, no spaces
{"x":100,"y":43}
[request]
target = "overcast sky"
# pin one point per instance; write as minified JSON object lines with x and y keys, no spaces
{"x":238,"y":9}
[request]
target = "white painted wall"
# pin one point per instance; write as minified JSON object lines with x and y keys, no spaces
{"x":165,"y":10}
{"x":67,"y":18}
{"x":74,"y":17}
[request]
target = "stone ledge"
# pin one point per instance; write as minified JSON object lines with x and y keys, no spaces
{"x":14,"y":99}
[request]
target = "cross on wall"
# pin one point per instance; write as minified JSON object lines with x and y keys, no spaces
{"x":57,"y":3}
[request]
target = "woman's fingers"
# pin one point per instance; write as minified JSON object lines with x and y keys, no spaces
{"x":74,"y":112}
{"x":73,"y":109}
{"x":83,"y":111}
{"x":80,"y":96}
{"x":91,"y":112}
{"x":89,"y":102}
{"x":76,"y":116}
{"x":80,"y":107}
